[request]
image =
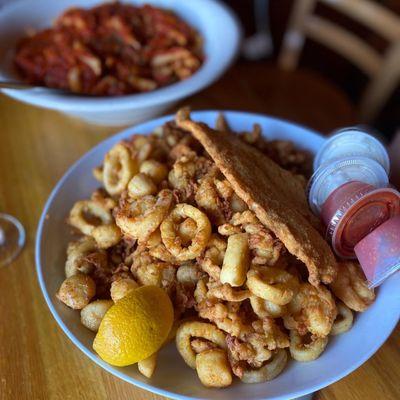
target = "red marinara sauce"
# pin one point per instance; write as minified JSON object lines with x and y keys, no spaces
{"x":111,"y":50}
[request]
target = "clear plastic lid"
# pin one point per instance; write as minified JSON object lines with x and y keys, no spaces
{"x":329,"y":177}
{"x":352,"y":142}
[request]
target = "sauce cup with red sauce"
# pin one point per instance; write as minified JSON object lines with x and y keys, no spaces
{"x":350,"y":191}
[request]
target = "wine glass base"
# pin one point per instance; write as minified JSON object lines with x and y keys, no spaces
{"x":12,"y":238}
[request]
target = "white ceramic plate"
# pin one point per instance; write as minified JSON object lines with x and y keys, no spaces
{"x":172,"y":377}
{"x":214,"y":21}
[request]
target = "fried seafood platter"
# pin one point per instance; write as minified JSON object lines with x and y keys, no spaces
{"x":218,"y":221}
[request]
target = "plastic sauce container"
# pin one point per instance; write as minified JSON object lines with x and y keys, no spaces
{"x":349,"y":191}
{"x":352,"y":142}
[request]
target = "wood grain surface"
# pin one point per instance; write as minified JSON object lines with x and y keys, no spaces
{"x":37,"y":361}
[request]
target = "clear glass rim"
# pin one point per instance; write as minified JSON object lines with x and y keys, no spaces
{"x":21,"y":238}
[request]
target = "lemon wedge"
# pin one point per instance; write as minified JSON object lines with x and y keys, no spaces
{"x":135,"y":327}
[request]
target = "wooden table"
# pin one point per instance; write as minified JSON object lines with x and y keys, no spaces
{"x":37,"y":361}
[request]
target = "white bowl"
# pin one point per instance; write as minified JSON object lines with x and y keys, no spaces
{"x":215,"y":22}
{"x":173,"y":378}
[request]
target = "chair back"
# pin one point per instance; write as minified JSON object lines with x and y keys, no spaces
{"x":383,"y":70}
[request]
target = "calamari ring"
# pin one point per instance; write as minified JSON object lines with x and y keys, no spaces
{"x":142,"y":217}
{"x":86,"y":215}
{"x":119,"y":168}
{"x":157,"y":249}
{"x":196,"y":329}
{"x":312,"y":309}
{"x":76,"y":252}
{"x":343,"y":321}
{"x":267,"y":372}
{"x":301,"y":351}
{"x":273,"y":284}
{"x":351,"y":287}
{"x":173,"y":242}
{"x":265,"y":308}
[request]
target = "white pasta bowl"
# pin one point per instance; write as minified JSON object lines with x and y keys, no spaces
{"x":173,"y":378}
{"x":213,"y":20}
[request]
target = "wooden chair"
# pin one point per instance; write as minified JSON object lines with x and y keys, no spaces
{"x":383,"y":70}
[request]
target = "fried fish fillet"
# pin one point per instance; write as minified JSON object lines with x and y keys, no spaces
{"x":275,"y":195}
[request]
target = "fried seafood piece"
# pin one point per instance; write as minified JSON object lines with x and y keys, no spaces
{"x":121,"y":287}
{"x":200,"y":293}
{"x":93,"y":313}
{"x":200,"y":344}
{"x":140,"y":218}
{"x":265,"y":248}
{"x":146,"y":147}
{"x":224,"y":291}
{"x":236,"y":260}
{"x":257,"y":347}
{"x":141,"y":185}
{"x":213,"y":368}
{"x":191,"y":330}
{"x":212,"y":258}
{"x":183,"y":299}
{"x":76,"y":253}
{"x":207,"y":197}
{"x":156,"y":170}
{"x":120,"y":252}
{"x":101,"y":271}
{"x":312,"y":309}
{"x":283,"y":152}
{"x":203,"y":347}
{"x":241,"y":354}
{"x":187,"y":172}
{"x":94,"y":218}
{"x":224,"y":316}
{"x":147,"y":366}
{"x":221,"y":124}
{"x":172,"y":240}
{"x":217,"y":198}
{"x":258,"y":337}
{"x":273,"y":284}
{"x":343,"y":321}
{"x":268,"y":371}
{"x":306,"y":347}
{"x":272,"y":336}
{"x":118,"y":169}
{"x":275,"y":195}
{"x":172,"y":135}
{"x":97,"y":173}
{"x":158,"y":250}
{"x":351,"y":287}
{"x":265,"y":308}
{"x":77,"y":291}
{"x":189,"y":274}
{"x":147,"y":270}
